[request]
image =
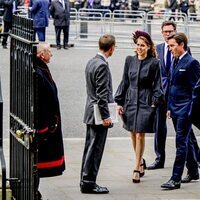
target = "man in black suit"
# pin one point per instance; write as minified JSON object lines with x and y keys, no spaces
{"x":60,"y":11}
{"x":184,"y":76}
{"x":10,"y":6}
{"x":99,"y":91}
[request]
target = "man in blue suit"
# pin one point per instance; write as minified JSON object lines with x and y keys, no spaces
{"x":184,"y":76}
{"x":39,"y":12}
{"x":165,"y":56}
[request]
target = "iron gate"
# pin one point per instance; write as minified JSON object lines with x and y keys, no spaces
{"x":23,"y":148}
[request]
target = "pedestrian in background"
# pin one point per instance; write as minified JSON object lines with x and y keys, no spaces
{"x":166,"y":57}
{"x":99,"y":91}
{"x":51,"y":160}
{"x":60,"y":11}
{"x":138,"y":96}
{"x":173,"y":5}
{"x":39,"y":12}
{"x":10,"y":7}
{"x":184,"y":7}
{"x":185,"y":74}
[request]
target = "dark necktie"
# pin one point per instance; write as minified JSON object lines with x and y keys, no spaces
{"x":176,"y":62}
{"x":168,"y":60}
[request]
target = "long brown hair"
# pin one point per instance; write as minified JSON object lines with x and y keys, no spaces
{"x":152,"y":50}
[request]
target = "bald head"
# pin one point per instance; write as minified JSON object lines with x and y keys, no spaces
{"x":44,"y":52}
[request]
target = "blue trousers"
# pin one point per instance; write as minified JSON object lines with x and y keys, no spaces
{"x":185,"y":151}
{"x":41,"y":32}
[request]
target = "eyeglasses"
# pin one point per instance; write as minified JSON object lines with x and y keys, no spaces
{"x":168,"y":31}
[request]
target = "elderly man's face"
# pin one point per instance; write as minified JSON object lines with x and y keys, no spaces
{"x":47,"y":55}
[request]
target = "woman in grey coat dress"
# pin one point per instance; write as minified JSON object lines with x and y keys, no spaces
{"x":138,"y":95}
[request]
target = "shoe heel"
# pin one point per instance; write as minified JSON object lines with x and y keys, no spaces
{"x":144,"y":167}
{"x":136,"y":180}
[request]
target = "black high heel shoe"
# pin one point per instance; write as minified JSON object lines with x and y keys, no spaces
{"x":144,"y":167}
{"x":136,"y":180}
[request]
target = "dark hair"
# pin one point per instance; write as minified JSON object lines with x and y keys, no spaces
{"x":106,"y":42}
{"x":180,"y":38}
{"x":168,"y":23}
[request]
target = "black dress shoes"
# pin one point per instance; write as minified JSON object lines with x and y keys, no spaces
{"x":96,"y":189}
{"x":58,"y":47}
{"x":189,"y":178}
{"x":4,"y":46}
{"x":155,"y":165}
{"x":171,"y":185}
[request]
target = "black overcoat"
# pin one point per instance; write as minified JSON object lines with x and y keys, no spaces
{"x":139,"y":89}
{"x":51,"y":161}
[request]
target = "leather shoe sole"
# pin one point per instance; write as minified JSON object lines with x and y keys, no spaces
{"x":96,"y":190}
{"x":171,"y":185}
{"x":189,"y":178}
{"x":156,"y":166}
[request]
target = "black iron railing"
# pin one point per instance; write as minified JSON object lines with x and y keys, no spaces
{"x":2,"y":158}
{"x":23,"y":151}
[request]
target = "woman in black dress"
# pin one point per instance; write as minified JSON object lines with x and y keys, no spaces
{"x":138,"y":95}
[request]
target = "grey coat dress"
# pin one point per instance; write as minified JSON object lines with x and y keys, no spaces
{"x":139,"y":89}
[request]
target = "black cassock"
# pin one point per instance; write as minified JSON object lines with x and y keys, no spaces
{"x":51,"y":161}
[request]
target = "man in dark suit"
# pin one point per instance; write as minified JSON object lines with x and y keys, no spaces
{"x":165,"y":56}
{"x":60,"y":11}
{"x":9,"y":8}
{"x":99,"y":91}
{"x":184,"y":76}
{"x":172,"y":6}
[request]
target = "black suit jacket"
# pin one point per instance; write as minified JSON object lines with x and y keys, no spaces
{"x":99,"y":88}
{"x":60,"y":14}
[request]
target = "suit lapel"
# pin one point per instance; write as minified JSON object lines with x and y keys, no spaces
{"x":161,"y":52}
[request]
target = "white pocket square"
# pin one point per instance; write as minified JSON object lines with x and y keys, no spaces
{"x":182,"y":70}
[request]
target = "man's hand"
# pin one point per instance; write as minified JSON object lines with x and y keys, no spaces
{"x":107,"y":122}
{"x":168,"y":114}
{"x":120,"y":110}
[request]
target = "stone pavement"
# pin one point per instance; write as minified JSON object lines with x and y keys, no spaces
{"x":116,"y":173}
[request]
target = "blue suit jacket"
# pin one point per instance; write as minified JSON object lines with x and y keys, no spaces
{"x":182,"y":83}
{"x":40,"y":13}
{"x":165,"y":74}
{"x":160,"y":48}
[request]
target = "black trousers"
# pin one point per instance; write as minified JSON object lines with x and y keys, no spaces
{"x":93,"y":151}
{"x":65,"y":30}
{"x":7,"y":28}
